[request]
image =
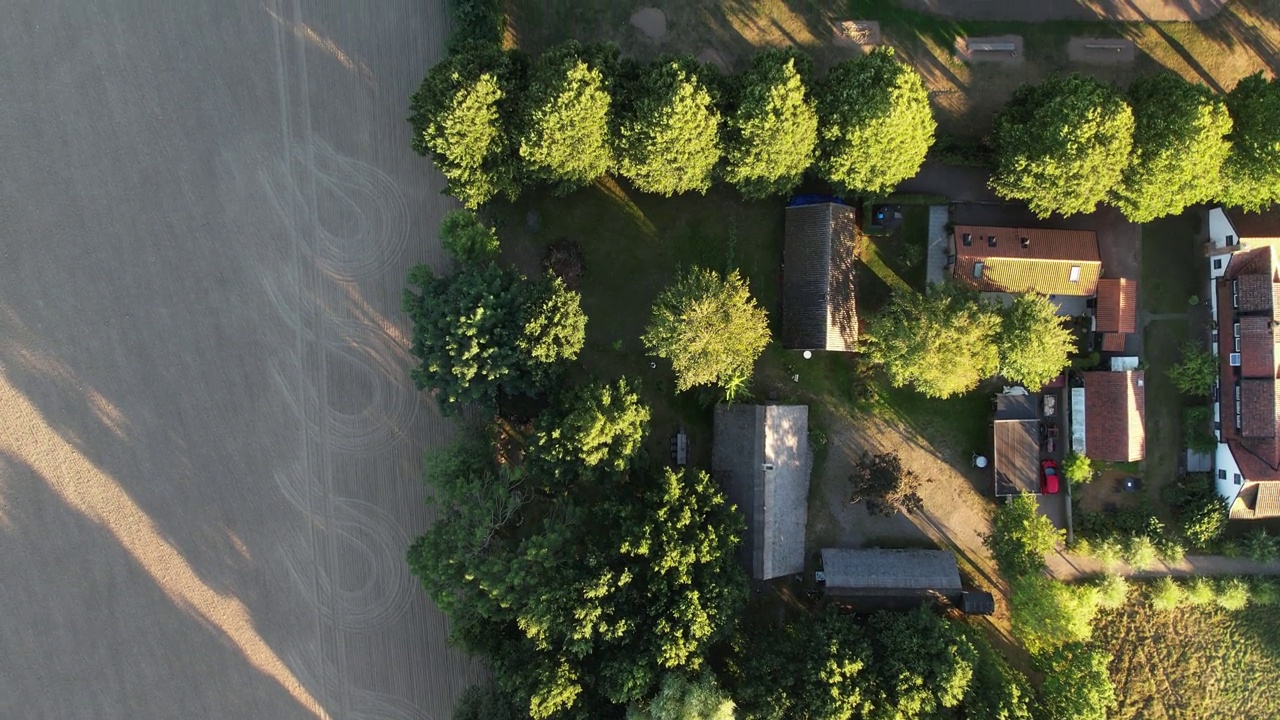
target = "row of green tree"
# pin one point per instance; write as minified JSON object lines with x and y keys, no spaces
{"x":1072,"y":141}
{"x":496,"y":121}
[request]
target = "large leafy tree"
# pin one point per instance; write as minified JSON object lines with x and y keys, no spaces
{"x":771,"y":135}
{"x":1021,"y":537}
{"x":943,"y":342}
{"x":1034,"y":341}
{"x":921,"y":664}
{"x":709,"y":327}
{"x":1077,"y":684}
{"x":1179,"y":145}
{"x":886,"y":487}
{"x":812,"y":667}
{"x":1062,"y":145}
{"x":485,"y":329}
{"x":593,"y":425}
{"x":1252,"y":170}
{"x":875,"y":125}
{"x":997,"y":691}
{"x":462,"y":114}
{"x":668,"y":129}
{"x":564,"y":134}
{"x":586,"y":600}
{"x":1048,"y":614}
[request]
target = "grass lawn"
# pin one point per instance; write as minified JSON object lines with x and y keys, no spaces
{"x":1241,"y":40}
{"x":1200,"y":663}
{"x":633,"y":245}
{"x":1173,"y":269}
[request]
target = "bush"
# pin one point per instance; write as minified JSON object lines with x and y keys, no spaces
{"x":1140,"y":553}
{"x":1109,"y":552}
{"x":469,"y":241}
{"x":476,"y":21}
{"x":1258,"y":546}
{"x":1077,"y":468}
{"x":1047,"y":614}
{"x":1164,"y":594}
{"x":1198,"y":509}
{"x":1197,"y":372}
{"x":1200,"y":591}
{"x":1197,"y":429}
{"x":1233,"y":594}
{"x":1170,"y":550}
{"x":1077,"y":685}
{"x":1264,"y":592}
{"x":1113,"y":591}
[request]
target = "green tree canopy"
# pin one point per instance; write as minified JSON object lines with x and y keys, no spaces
{"x":921,"y":665}
{"x":1197,"y":372}
{"x":886,"y":487}
{"x":942,"y":342}
{"x":684,"y":698}
{"x":1021,"y":537}
{"x":461,"y":115}
{"x":1199,"y":509}
{"x":668,"y":136}
{"x":997,"y":691}
{"x":709,"y":327}
{"x":1077,"y":468}
{"x":485,"y":329}
{"x":1077,"y":684}
{"x":1179,"y":145}
{"x":593,"y":425}
{"x":1047,"y":614}
{"x":598,"y":595}
{"x":564,"y":136}
{"x":812,"y":667}
{"x":468,"y":240}
{"x":1062,"y":145}
{"x":875,"y":125}
{"x":1034,"y":341}
{"x":1252,"y":170}
{"x":771,"y":135}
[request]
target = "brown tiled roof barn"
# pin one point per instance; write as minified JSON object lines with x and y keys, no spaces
{"x":1117,"y":307}
{"x":1114,"y":416}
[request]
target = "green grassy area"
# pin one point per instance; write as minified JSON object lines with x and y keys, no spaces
{"x":633,"y":245}
{"x":1173,"y":269}
{"x":1196,"y":662}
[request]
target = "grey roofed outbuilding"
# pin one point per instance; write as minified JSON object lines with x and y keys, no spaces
{"x":818,"y":307}
{"x":760,"y":456}
{"x":878,"y":569}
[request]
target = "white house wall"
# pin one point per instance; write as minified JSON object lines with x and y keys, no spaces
{"x":1224,"y":463}
{"x":1219,"y":228}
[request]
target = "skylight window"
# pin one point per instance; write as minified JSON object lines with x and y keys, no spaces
{"x":1075,"y":273}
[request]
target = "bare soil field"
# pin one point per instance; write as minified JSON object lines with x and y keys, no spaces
{"x":209,"y":447}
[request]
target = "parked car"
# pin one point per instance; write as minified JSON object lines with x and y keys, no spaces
{"x":1048,"y":477}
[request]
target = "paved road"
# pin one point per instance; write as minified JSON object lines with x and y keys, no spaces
{"x":208,"y":445}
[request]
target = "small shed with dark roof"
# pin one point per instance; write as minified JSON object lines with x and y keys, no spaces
{"x":760,"y":456}
{"x":819,"y":311}
{"x":876,"y":570}
{"x":1115,"y":416}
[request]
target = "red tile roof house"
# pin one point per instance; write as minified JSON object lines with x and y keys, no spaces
{"x":1244,"y":270}
{"x":1115,"y":312}
{"x":1115,"y":416}
{"x":999,"y":262}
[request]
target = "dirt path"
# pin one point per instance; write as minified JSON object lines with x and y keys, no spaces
{"x":209,"y":446}
{"x":1041,"y":10}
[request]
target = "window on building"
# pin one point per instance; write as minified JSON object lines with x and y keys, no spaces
{"x":1231,"y":240}
{"x":1075,"y":273}
{"x":991,"y":241}
{"x":1235,"y":329}
{"x":1217,"y":264}
{"x":1222,"y":474}
{"x":1239,"y":480}
{"x":977,"y":270}
{"x":1235,"y":294}
{"x":1026,"y":243}
{"x":967,"y":239}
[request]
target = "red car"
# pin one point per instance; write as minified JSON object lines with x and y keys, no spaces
{"x":1048,"y":477}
